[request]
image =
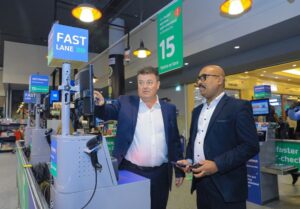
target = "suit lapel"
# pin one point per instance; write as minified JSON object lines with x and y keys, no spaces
{"x":164,"y":111}
{"x":217,"y":111}
{"x":195,"y":121}
{"x":135,"y":110}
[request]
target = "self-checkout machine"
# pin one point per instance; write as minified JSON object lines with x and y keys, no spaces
{"x":262,"y":185}
{"x":29,"y":99}
{"x":39,"y":147}
{"x":81,"y":166}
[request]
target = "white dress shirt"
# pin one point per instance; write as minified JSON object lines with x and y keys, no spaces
{"x":149,"y":147}
{"x":203,"y":121}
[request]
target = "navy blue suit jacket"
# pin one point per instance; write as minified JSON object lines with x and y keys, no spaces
{"x":231,"y":139}
{"x":125,"y":111}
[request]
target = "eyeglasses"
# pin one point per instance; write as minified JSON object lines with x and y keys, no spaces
{"x":203,"y":77}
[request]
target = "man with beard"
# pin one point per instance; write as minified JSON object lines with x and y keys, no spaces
{"x":223,"y":138}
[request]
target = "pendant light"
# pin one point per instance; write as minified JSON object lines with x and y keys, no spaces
{"x":235,"y":7}
{"x":86,"y":13}
{"x":142,"y":51}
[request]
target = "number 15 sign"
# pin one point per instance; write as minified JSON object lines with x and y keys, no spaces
{"x":169,"y":38}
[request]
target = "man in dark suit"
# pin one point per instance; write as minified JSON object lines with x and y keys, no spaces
{"x":147,"y":135}
{"x":222,"y":139}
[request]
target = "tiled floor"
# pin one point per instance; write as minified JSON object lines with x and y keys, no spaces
{"x":180,"y":198}
{"x":289,"y":196}
{"x":8,"y":187}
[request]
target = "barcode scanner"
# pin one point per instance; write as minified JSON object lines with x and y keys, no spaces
{"x":93,"y":145}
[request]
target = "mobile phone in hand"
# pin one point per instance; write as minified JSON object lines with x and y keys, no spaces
{"x":178,"y":164}
{"x":197,"y":165}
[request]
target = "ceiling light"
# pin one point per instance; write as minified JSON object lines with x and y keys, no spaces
{"x":292,"y":71}
{"x":246,"y":72}
{"x":235,"y":7}
{"x":186,"y":63}
{"x":264,"y":71}
{"x":86,"y":13}
{"x":142,"y":52}
{"x":130,"y":82}
{"x":289,"y":79}
{"x":178,"y":88}
{"x":236,"y":47}
{"x":276,"y":77}
{"x":261,"y":75}
{"x":294,"y":65}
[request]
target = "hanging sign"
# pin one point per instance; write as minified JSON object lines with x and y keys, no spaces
{"x":67,"y":44}
{"x":38,"y":83}
{"x":28,"y":98}
{"x":170,"y":38}
{"x":262,"y":91}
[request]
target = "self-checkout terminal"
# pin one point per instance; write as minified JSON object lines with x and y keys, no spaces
{"x":81,"y":166}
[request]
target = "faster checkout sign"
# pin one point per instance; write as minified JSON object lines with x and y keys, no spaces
{"x":67,"y":44}
{"x":169,"y":38}
{"x":288,"y":153}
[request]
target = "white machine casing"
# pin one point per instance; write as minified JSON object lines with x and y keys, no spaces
{"x":74,"y":178}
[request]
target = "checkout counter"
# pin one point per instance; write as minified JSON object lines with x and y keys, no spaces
{"x":276,"y":157}
{"x":73,"y":184}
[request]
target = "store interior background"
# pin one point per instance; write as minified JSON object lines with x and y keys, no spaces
{"x":268,"y":36}
{"x":267,"y":43}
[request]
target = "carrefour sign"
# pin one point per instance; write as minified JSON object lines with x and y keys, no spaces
{"x":67,"y":44}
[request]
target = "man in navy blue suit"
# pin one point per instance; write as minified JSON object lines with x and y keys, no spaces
{"x":147,"y":135}
{"x":223,"y":138}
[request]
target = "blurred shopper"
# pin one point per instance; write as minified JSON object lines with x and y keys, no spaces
{"x":222,"y":139}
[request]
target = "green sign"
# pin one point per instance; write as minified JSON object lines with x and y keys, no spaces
{"x":169,"y":38}
{"x":38,"y":83}
{"x":110,"y":143}
{"x":288,"y":153}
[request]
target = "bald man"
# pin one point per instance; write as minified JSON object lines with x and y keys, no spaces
{"x":222,"y":139}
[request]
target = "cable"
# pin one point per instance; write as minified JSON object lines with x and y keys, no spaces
{"x":93,"y":191}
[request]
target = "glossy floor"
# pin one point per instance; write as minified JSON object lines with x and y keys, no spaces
{"x":180,"y":198}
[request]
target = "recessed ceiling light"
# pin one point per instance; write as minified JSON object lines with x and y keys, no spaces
{"x":289,"y":79}
{"x":186,"y":63}
{"x":130,"y":81}
{"x":236,"y":47}
{"x":292,"y":71}
{"x":264,"y":71}
{"x":246,"y":72}
{"x":276,"y":77}
{"x":261,"y":75}
{"x":294,"y":65}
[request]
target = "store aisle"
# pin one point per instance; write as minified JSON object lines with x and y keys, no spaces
{"x":8,"y":188}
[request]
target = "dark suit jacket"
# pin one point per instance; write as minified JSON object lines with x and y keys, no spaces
{"x":125,"y":111}
{"x":231,"y":139}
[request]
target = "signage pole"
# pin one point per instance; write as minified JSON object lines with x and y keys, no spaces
{"x":37,"y":111}
{"x":65,"y":99}
{"x":29,"y":111}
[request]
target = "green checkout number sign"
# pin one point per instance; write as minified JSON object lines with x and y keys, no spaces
{"x":170,"y":38}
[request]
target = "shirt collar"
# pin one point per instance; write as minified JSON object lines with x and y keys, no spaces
{"x":216,"y":100}
{"x":156,"y":104}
